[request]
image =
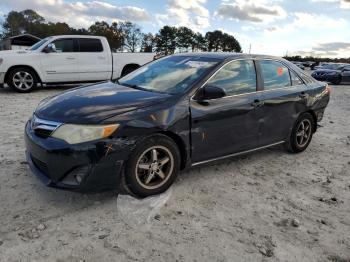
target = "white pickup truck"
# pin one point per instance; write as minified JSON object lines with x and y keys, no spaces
{"x":66,"y":59}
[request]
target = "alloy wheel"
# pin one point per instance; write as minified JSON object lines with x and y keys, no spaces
{"x":23,"y":80}
{"x":154,"y":167}
{"x":304,"y":132}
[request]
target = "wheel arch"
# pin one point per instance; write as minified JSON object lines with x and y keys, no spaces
{"x":180,"y":144}
{"x":313,"y":114}
{"x":129,"y":66}
{"x":21,"y":66}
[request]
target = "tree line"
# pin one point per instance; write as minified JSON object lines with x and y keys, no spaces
{"x":124,"y":36}
{"x":317,"y":59}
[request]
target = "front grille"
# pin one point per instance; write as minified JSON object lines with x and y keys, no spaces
{"x":43,"y":128}
{"x":41,"y":166}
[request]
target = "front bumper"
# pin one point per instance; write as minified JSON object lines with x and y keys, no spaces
{"x":57,"y":164}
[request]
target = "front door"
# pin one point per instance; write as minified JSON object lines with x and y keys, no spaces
{"x":230,"y":124}
{"x":62,"y":65}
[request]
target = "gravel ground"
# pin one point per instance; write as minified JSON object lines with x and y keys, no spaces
{"x":266,"y":206}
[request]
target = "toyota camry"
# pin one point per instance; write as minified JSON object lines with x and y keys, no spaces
{"x":180,"y":111}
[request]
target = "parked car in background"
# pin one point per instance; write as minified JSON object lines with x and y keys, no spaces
{"x":333,"y":73}
{"x":307,"y":63}
{"x":299,"y":64}
{"x":66,"y":59}
{"x":179,"y":111}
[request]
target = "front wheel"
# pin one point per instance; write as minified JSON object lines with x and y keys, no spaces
{"x":153,"y":166}
{"x":301,"y":135}
{"x":22,"y":80}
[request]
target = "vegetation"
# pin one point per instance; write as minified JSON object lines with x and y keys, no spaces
{"x":124,"y":35}
{"x":317,"y":59}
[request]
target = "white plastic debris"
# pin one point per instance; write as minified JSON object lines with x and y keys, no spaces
{"x":139,"y":212}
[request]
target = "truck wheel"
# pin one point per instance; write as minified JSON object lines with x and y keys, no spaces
{"x":22,"y":80}
{"x":153,"y":166}
{"x":301,"y":135}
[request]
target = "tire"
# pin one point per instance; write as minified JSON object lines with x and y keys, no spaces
{"x":145,"y":174}
{"x":300,"y":138}
{"x":22,"y":80}
{"x":128,"y":69}
{"x":338,"y":81}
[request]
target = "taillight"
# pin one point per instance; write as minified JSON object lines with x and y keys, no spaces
{"x":328,"y":89}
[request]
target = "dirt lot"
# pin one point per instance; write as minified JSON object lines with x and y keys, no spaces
{"x":266,"y":206}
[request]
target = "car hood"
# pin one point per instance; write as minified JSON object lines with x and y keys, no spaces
{"x":95,"y":103}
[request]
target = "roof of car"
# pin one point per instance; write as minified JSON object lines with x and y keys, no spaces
{"x":227,"y":55}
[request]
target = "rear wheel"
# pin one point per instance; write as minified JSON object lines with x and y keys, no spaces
{"x":22,"y":80}
{"x":153,"y":166}
{"x":301,"y":135}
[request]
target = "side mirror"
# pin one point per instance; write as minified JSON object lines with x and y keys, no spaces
{"x":212,"y":92}
{"x":50,"y":48}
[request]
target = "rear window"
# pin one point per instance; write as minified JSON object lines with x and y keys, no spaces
{"x":295,"y":79}
{"x":90,"y":45}
{"x":275,"y":75}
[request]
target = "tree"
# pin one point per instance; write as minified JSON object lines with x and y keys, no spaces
{"x":132,"y":36}
{"x":199,"y":43}
{"x":14,"y":24}
{"x":219,"y":41}
{"x":166,"y":40}
{"x":149,"y":43}
{"x":185,"y":38}
{"x":230,"y":44}
{"x":112,"y":33}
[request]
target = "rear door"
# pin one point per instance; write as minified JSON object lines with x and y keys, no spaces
{"x":62,"y":65}
{"x":285,"y":97}
{"x":230,"y":124}
{"x":95,"y":63}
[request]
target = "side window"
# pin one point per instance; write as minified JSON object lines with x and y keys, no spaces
{"x":237,"y":77}
{"x":295,"y":79}
{"x":90,"y":45}
{"x":64,"y":45}
{"x":275,"y":75}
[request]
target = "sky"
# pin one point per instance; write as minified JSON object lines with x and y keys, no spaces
{"x":272,"y":27}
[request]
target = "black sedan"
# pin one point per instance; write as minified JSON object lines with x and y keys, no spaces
{"x":174,"y":113}
{"x":333,"y":73}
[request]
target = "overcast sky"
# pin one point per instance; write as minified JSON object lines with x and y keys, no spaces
{"x":317,"y":27}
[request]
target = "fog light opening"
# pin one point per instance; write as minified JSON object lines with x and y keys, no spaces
{"x":76,"y":177}
{"x":79,"y":178}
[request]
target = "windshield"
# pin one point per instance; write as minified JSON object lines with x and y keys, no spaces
{"x":40,"y":43}
{"x":171,"y":75}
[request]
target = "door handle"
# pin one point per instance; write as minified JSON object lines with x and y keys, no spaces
{"x":70,"y":58}
{"x":257,"y":103}
{"x":102,"y":57}
{"x":302,"y":95}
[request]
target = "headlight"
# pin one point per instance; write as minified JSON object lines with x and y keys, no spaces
{"x":74,"y":134}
